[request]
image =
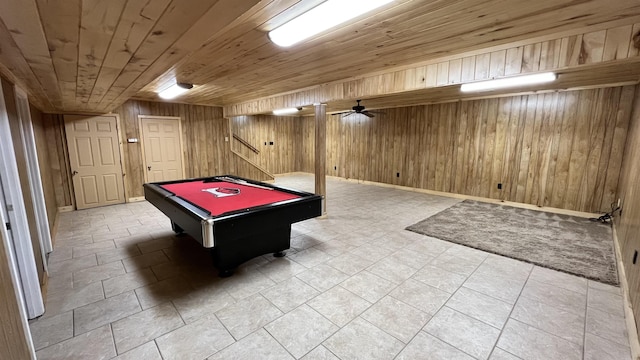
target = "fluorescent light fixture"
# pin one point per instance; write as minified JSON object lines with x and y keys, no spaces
{"x":286,"y":111}
{"x":175,"y":90}
{"x":322,"y":17}
{"x":509,"y":82}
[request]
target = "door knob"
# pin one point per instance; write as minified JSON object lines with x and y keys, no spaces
{"x":149,"y":168}
{"x":74,"y":173}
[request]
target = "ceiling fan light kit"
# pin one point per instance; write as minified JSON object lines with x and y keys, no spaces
{"x":325,"y":16}
{"x":509,"y":82}
{"x":175,"y":90}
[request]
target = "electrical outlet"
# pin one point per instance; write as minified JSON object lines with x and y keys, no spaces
{"x":335,"y":168}
{"x":499,"y":186}
{"x":619,"y":202}
{"x":635,"y":257}
{"x":397,"y":174}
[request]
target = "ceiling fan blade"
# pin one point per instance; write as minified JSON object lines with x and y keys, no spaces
{"x":349,"y":114}
{"x":343,"y":112}
{"x":367,"y":113}
{"x":376,"y":112}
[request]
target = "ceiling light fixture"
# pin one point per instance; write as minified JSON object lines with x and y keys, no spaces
{"x":322,"y":17}
{"x":286,"y":111}
{"x":175,"y":90}
{"x":509,"y":82}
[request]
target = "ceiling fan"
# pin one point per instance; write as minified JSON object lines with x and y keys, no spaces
{"x":359,"y":109}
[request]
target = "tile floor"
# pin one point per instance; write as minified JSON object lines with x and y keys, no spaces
{"x":354,"y":286}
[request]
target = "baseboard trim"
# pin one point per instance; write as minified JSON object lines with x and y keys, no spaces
{"x":629,"y":318}
{"x":63,"y":209}
{"x":136,"y":199}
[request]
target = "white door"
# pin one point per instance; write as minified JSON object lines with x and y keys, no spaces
{"x":12,"y":209}
{"x":162,"y":147}
{"x":94,"y":156}
{"x":43,"y":233}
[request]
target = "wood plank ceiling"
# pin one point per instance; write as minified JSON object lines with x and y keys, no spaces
{"x":93,"y":55}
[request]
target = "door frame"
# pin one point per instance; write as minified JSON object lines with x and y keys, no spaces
{"x":120,"y":146}
{"x":35,"y":178}
{"x":21,"y":249}
{"x":142,"y":150}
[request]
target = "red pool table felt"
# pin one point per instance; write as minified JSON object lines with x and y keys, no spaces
{"x":249,"y":196}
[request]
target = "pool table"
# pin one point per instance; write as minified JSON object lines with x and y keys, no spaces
{"x":237,"y":218}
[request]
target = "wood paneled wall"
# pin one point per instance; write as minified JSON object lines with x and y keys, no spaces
{"x":628,"y":223}
{"x":260,"y":131}
{"x":44,"y":164}
{"x":14,"y":339}
{"x":203,"y":135}
{"x":561,"y":149}
{"x":58,"y":159}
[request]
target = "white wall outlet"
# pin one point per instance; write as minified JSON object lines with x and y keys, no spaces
{"x":226,"y":138}
{"x":619,"y":202}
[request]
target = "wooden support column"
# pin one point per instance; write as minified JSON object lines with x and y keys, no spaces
{"x":321,"y":154}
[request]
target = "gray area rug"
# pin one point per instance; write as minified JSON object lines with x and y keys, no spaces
{"x":566,"y":243}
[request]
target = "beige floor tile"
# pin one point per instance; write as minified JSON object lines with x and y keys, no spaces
{"x":320,"y":353}
{"x":411,"y":258}
{"x":361,"y":340}
{"x":202,"y":301}
{"x":481,"y":307}
{"x":310,"y":257}
{"x":421,"y":296}
{"x":97,"y":273}
{"x":248,"y":315}
{"x":84,"y":250}
{"x":339,"y":305}
{"x":499,"y":354}
{"x":368,"y":286}
{"x":322,"y":277}
{"x":564,"y":324}
{"x":95,"y":345}
{"x":427,"y":347}
{"x":139,"y":262}
{"x":597,"y":348}
{"x":396,"y":318}
{"x":63,"y":301}
{"x":147,"y":351}
{"x":557,"y":297}
{"x":605,"y":287}
{"x":163,"y":291}
{"x":259,"y":345}
{"x":197,"y":340}
{"x":495,"y":284}
{"x":349,"y":263}
{"x":156,"y":244}
{"x":439,"y":278}
{"x":242,"y":285}
{"x":465,"y":333}
{"x":129,"y":281}
{"x":71,"y":265}
{"x":105,"y":311}
{"x":528,"y":342}
{"x":117,"y":254}
{"x":392,"y":269}
{"x":605,"y":301}
{"x":289,"y":294}
{"x":607,"y":326}
{"x":559,"y":279}
{"x":281,"y":269}
{"x":138,"y":329}
{"x":301,"y":330}
{"x":51,"y":330}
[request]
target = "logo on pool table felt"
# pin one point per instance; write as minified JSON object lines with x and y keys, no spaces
{"x":223,"y":191}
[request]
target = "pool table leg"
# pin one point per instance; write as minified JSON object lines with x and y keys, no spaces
{"x":279,"y":254}
{"x":176,"y":229}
